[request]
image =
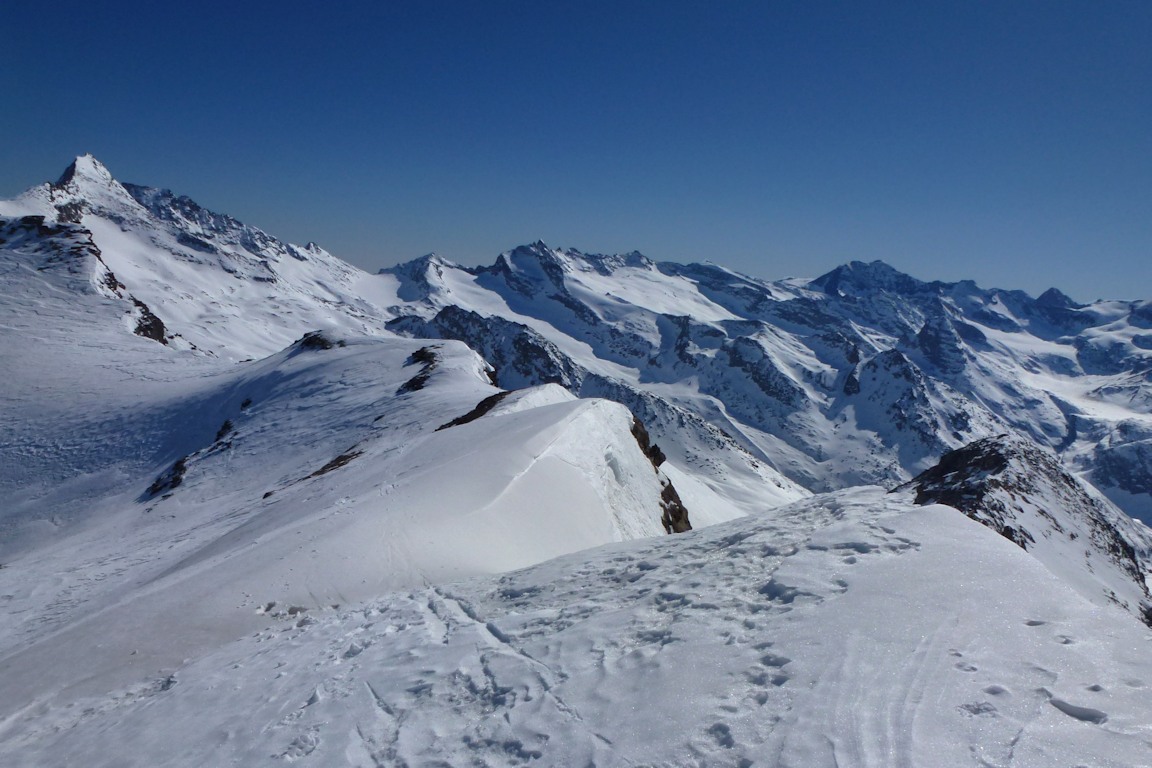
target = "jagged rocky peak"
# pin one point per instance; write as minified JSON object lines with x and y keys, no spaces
{"x":85,"y":186}
{"x":1057,"y":299}
{"x":539,"y":260}
{"x":420,"y":278}
{"x":941,"y":345}
{"x":858,"y":277}
{"x":530,"y":269}
{"x":537,"y":251}
{"x":606,"y":264}
{"x":168,"y":206}
{"x":420,"y":266}
{"x":1025,"y":494}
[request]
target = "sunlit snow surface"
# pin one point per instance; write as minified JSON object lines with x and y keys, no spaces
{"x":324,"y":583}
{"x":848,"y":630}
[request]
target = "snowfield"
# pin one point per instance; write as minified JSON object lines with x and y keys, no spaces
{"x":851,"y":629}
{"x":259,"y":507}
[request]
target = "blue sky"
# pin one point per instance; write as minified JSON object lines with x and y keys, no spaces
{"x":1007,"y":142}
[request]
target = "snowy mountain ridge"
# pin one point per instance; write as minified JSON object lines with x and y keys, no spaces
{"x":863,"y":375}
{"x":246,"y":465}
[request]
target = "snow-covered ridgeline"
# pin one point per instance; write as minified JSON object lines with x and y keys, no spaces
{"x":168,"y":495}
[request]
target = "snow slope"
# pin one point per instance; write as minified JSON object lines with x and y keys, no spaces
{"x":1023,"y":493}
{"x":155,"y":497}
{"x":256,"y":505}
{"x":849,"y":629}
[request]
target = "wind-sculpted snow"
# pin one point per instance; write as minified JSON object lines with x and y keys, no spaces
{"x":850,"y":629}
{"x":183,"y":497}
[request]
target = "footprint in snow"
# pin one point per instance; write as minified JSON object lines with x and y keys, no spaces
{"x":978,"y":709}
{"x":722,"y":734}
{"x":1084,"y":714}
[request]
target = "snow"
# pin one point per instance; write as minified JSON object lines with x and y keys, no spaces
{"x":252,"y":523}
{"x":356,"y":567}
{"x":850,"y":629}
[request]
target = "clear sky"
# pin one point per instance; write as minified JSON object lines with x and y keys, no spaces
{"x":1005,"y":141}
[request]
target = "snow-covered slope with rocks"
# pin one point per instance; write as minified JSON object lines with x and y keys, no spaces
{"x":861,"y":375}
{"x":1023,"y":493}
{"x":217,"y":285}
{"x":252,"y":490}
{"x":161,"y":498}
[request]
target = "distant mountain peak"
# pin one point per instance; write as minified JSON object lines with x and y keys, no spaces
{"x":85,"y":186}
{"x":857,"y":277}
{"x":420,"y":264}
{"x":1054,"y":297}
{"x":555,"y":261}
{"x":84,"y":168}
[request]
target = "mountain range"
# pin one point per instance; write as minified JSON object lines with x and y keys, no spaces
{"x":225,"y":455}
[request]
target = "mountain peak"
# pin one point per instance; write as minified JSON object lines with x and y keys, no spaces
{"x":858,"y":277}
{"x":537,"y":249}
{"x":85,"y":186}
{"x":1057,"y":299}
{"x":421,"y":277}
{"x":84,"y":168}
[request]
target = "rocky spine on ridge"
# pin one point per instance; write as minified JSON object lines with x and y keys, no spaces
{"x":1027,"y":496}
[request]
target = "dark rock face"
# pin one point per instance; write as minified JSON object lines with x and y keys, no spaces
{"x":317,"y":340}
{"x":1023,"y":493}
{"x":650,"y":449}
{"x":148,"y":325}
{"x":170,"y":479}
{"x":751,"y":358}
{"x":520,"y":355}
{"x":483,"y":407}
{"x":675,"y":517}
{"x":941,"y":345}
{"x":1055,"y":298}
{"x":427,"y":359}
